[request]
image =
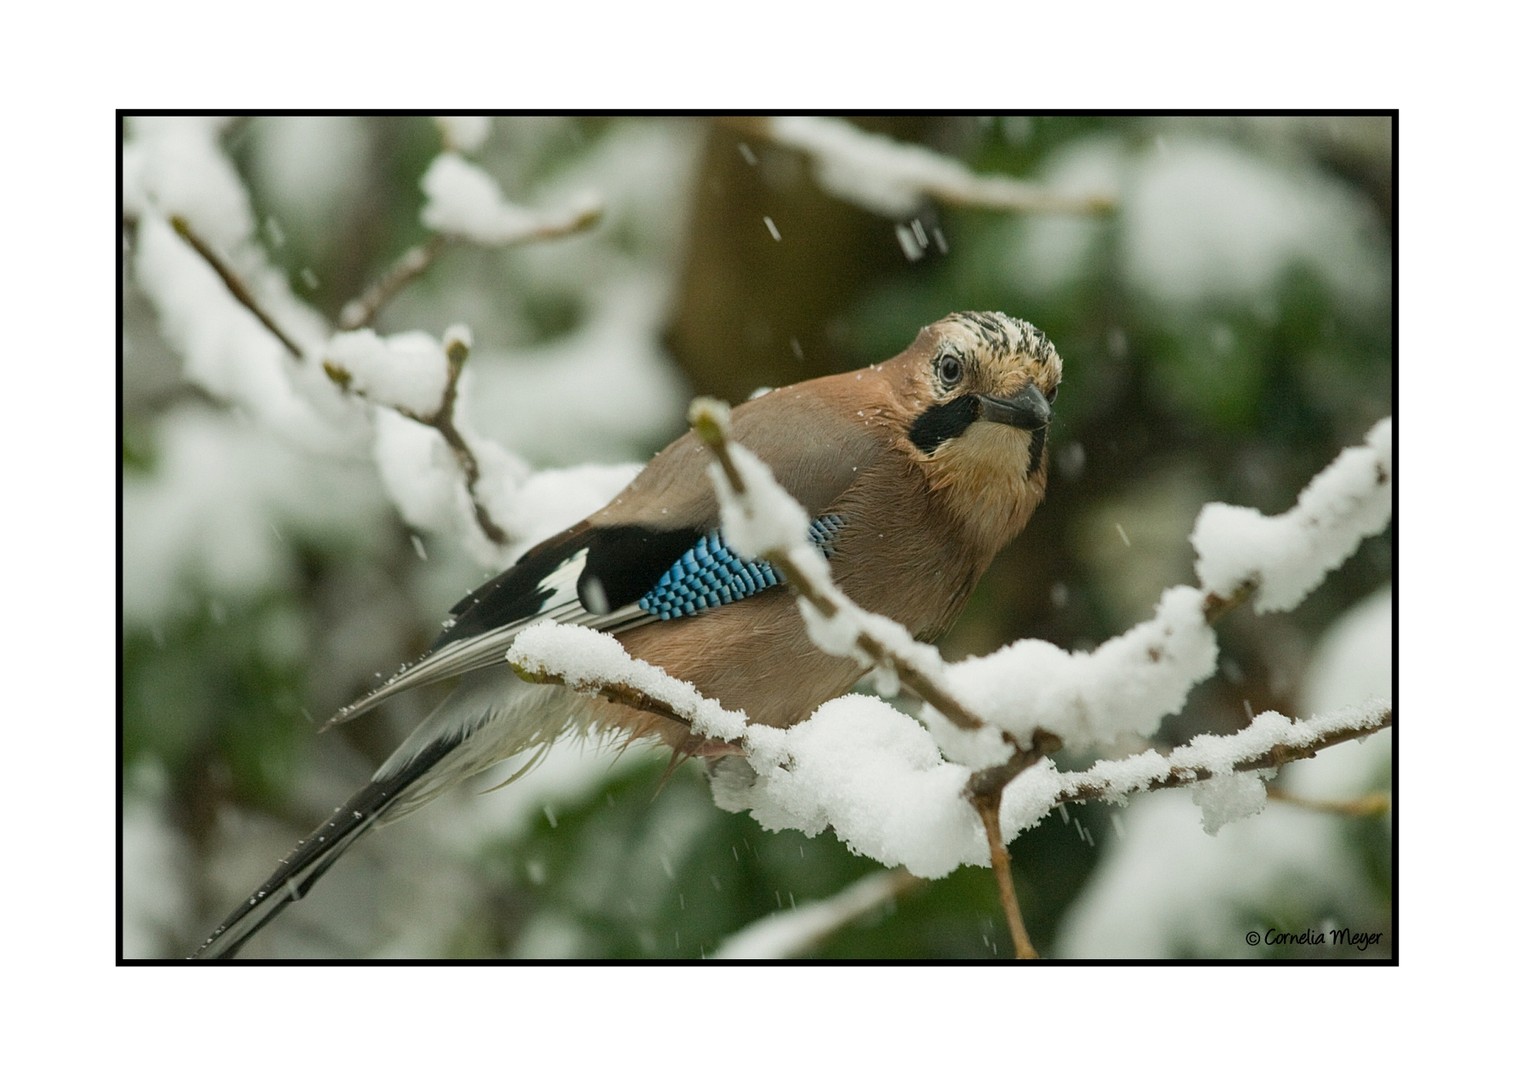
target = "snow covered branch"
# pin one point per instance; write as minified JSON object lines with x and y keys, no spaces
{"x":464,"y":204}
{"x":193,"y":214}
{"x":761,"y":520}
{"x":896,"y":794}
{"x":1213,"y":763}
{"x":594,"y":663}
{"x":892,"y":792}
{"x":892,"y":178}
{"x":418,"y":378}
{"x":1288,"y":556}
{"x":1124,"y":688}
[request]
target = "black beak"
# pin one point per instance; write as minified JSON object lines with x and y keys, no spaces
{"x":1026,"y":409}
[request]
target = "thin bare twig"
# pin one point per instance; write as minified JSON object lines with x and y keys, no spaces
{"x":234,"y":283}
{"x":356,"y":314}
{"x":1370,"y":805}
{"x":988,"y":805}
{"x":362,"y":312}
{"x":443,"y":422}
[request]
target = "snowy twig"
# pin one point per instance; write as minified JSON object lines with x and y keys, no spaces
{"x":1286,"y":556}
{"x":1205,"y":758}
{"x":1097,"y":699}
{"x":931,"y":802}
{"x":464,"y":202}
{"x":1216,"y":606}
{"x":441,"y":419}
{"x":591,"y":662}
{"x":419,"y":259}
{"x":986,"y":785}
{"x":710,"y":420}
{"x":615,"y":692}
{"x":1208,"y":756}
{"x":891,"y":178}
{"x":233,"y":282}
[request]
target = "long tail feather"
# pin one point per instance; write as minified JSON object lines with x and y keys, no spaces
{"x":314,"y":855}
{"x":489,"y":717}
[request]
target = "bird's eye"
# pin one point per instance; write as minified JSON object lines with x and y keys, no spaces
{"x":1052,"y":395}
{"x":950,"y":370}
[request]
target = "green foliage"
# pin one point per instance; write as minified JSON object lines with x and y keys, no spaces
{"x":223,"y":689}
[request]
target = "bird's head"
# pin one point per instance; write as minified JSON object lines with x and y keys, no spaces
{"x":976,"y":390}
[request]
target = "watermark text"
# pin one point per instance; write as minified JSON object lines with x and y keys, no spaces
{"x":1346,"y":937}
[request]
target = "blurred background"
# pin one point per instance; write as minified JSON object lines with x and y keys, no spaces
{"x":1224,"y":308}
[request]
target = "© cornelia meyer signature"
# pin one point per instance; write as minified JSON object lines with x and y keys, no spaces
{"x":1357,"y":939}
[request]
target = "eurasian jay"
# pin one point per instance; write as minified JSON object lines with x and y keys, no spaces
{"x":915,"y":472}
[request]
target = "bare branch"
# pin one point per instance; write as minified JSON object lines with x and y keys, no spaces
{"x":233,"y":282}
{"x":443,"y":423}
{"x":361,"y":312}
{"x":1370,"y":805}
{"x":988,"y":806}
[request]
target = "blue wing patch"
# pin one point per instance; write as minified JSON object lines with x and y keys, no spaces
{"x":710,"y":574}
